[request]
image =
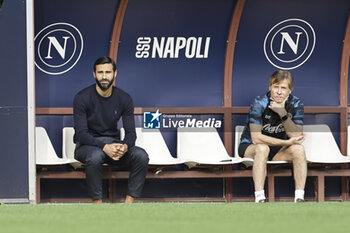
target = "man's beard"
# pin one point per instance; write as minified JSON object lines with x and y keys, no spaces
{"x":104,"y":87}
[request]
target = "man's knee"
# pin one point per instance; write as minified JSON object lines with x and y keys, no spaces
{"x":95,"y":157}
{"x":262,"y":151}
{"x":140,"y":156}
{"x":297,"y":152}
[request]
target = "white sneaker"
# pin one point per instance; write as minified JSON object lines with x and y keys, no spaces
{"x":260,"y":196}
{"x":299,"y":195}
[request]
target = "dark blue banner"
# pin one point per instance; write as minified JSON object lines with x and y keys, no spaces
{"x":304,"y":37}
{"x":165,"y":47}
{"x":172,"y":52}
{"x":69,"y":37}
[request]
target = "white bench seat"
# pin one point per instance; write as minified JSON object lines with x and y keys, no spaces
{"x":202,"y":146}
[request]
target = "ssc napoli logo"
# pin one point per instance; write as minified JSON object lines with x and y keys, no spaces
{"x":289,"y":44}
{"x":58,"y":48}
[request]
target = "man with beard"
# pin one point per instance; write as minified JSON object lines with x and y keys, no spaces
{"x":97,"y":110}
{"x":274,"y":131}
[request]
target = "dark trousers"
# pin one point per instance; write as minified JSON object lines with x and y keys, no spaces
{"x":136,"y":159}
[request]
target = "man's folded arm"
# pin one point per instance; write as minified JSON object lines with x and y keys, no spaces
{"x":81,"y":127}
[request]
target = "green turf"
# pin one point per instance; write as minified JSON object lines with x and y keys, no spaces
{"x":177,"y":217}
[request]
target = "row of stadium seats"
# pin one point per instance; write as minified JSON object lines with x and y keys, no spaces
{"x":194,"y":146}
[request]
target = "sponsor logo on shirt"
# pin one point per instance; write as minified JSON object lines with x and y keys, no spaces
{"x":273,"y":129}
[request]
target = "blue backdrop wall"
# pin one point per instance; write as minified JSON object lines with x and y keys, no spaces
{"x":88,"y":26}
{"x":172,"y":54}
{"x":318,"y":74}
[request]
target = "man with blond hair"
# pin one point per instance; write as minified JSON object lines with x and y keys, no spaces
{"x":274,"y":132}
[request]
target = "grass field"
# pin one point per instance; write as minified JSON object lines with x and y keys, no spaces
{"x":177,"y":217}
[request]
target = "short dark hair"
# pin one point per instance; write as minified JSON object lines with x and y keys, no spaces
{"x":105,"y":60}
{"x":279,"y":76}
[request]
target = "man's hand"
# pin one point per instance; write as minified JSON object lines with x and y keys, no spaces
{"x":121,"y":149}
{"x":115,"y":150}
{"x":111,"y":151}
{"x":297,"y":140}
{"x":278,"y":107}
